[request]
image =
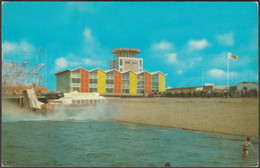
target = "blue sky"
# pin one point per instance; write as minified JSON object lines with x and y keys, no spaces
{"x":181,"y":39}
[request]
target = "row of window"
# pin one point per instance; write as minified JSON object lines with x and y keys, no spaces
{"x":94,"y":87}
{"x":133,"y":62}
{"x":126,"y":54}
{"x":109,"y":77}
{"x":125,"y":78}
{"x":93,"y":76}
{"x":109,"y":86}
{"x":86,"y":101}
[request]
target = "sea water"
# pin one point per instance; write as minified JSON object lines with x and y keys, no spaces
{"x":95,"y":141}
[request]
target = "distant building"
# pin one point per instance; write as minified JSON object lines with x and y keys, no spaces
{"x":97,"y":81}
{"x":125,"y":60}
{"x":144,"y":82}
{"x":247,"y":86}
{"x":125,"y":75}
{"x":110,"y":81}
{"x":209,"y":84}
{"x":129,"y":82}
{"x":220,"y":87}
{"x":158,"y":81}
{"x":113,"y":81}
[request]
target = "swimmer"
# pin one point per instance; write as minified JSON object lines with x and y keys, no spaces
{"x":167,"y":164}
{"x":246,"y":146}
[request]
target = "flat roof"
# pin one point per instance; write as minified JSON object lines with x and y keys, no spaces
{"x":137,"y":51}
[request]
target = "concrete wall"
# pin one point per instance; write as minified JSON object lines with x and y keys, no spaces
{"x":63,"y":82}
{"x":130,"y":64}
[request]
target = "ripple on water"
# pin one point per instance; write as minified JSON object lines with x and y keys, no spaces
{"x":106,"y":143}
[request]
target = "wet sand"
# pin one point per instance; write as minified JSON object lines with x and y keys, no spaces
{"x":236,"y":116}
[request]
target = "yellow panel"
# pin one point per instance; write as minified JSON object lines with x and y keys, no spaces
{"x":161,"y":82}
{"x":101,"y":82}
{"x":133,"y":83}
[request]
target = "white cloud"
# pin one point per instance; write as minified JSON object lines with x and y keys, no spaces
{"x":171,"y":57}
{"x":199,"y":59}
{"x":22,"y":47}
{"x":234,"y":74}
{"x":197,"y":44}
{"x":88,"y":34}
{"x":90,"y":62}
{"x":226,"y":39}
{"x":217,"y":73}
{"x":162,"y":46}
{"x":61,"y":63}
{"x":179,"y":72}
{"x":81,"y":7}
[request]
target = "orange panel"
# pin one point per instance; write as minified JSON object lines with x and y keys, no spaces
{"x":84,"y":80}
{"x":147,"y":83}
{"x":117,"y":82}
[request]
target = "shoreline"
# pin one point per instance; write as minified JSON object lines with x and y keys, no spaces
{"x":186,"y":129}
{"x":235,"y":116}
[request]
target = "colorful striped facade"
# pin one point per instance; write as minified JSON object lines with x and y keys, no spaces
{"x":158,"y":81}
{"x":111,"y":81}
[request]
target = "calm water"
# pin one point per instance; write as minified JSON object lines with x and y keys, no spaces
{"x":89,"y":142}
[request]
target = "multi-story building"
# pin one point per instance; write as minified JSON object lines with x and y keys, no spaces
{"x":97,"y":81}
{"x":68,"y":80}
{"x":129,"y":82}
{"x":125,"y":60}
{"x":110,"y":81}
{"x":113,"y":81}
{"x":143,"y":82}
{"x":125,"y":75}
{"x":158,"y":81}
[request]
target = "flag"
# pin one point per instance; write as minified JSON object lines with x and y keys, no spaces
{"x":232,"y":56}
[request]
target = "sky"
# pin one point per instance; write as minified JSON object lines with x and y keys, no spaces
{"x":188,"y":41}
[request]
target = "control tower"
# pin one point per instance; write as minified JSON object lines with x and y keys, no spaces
{"x":125,"y":60}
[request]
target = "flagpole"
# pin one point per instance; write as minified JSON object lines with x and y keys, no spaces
{"x":202,"y":77}
{"x":228,"y":72}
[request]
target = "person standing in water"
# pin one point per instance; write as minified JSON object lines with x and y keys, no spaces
{"x":246,"y":146}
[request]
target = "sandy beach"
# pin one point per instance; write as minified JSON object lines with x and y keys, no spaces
{"x":236,"y":116}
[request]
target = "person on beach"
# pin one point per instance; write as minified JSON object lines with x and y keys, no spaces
{"x":246,"y":146}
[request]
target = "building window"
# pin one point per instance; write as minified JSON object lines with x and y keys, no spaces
{"x":75,"y":80}
{"x":125,"y":90}
{"x":140,"y":63}
{"x":109,"y":90}
{"x":121,"y":70}
{"x":121,"y":62}
{"x":92,"y":89}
